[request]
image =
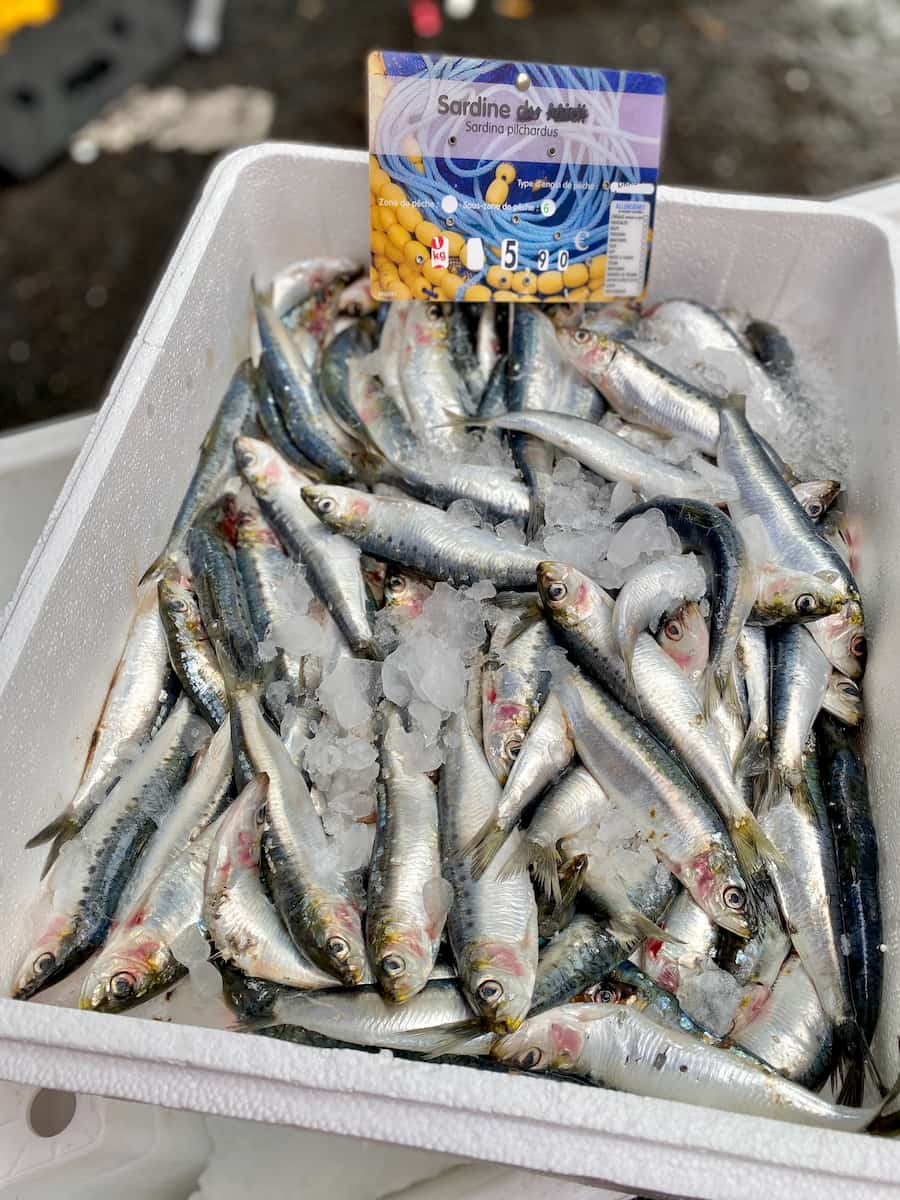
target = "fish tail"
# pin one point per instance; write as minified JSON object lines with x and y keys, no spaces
{"x":253,"y":1024}
{"x":752,"y":845}
{"x":628,"y":926}
{"x":852,"y":1059}
{"x":483,"y":847}
{"x":458,"y":1039}
{"x":261,"y":295}
{"x":63,"y":826}
{"x":158,"y":567}
{"x":543,"y":861}
{"x":462,"y":421}
{"x":530,"y":616}
{"x":752,"y":757}
{"x":535,"y":520}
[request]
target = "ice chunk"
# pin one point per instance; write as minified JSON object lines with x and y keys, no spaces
{"x":426,"y":717}
{"x":266,"y":649}
{"x":129,"y":750}
{"x":353,"y":846}
{"x":437,"y":896}
{"x":582,"y":550}
{"x":197,"y":734}
{"x":455,"y":617}
{"x":482,"y":590}
{"x":465,"y":512}
{"x":511,"y":531}
{"x":205,"y":981}
{"x":348,"y":691}
{"x":646,"y":534}
{"x":567,"y":470}
{"x":710,"y":997}
{"x":721,"y":481}
{"x":190,"y":947}
{"x":756,"y":538}
{"x":622,"y":498}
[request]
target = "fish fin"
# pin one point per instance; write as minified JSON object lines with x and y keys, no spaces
{"x":458,"y":1036}
{"x":530,"y":616}
{"x":751,"y":844}
{"x":626,"y":926}
{"x":542,"y":859}
{"x":59,"y":826}
{"x":462,"y":421}
{"x":752,"y":757}
{"x":261,"y":295}
{"x":509,"y":600}
{"x":483,"y":847}
{"x":253,"y":1024}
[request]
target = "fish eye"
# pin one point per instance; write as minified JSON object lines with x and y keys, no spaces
{"x":393,"y":964}
{"x":514,"y":370}
{"x":490,"y":991}
{"x":581,"y":336}
{"x":325,"y":505}
{"x":246,"y":458}
{"x":673,"y":630}
{"x":338,"y":948}
{"x":179,"y":606}
{"x":260,"y":816}
{"x":433,"y":311}
{"x":395,"y":584}
{"x":122,"y":985}
{"x":557,"y":591}
{"x":606,"y":995}
{"x":44,"y":963}
{"x":805,"y":602}
{"x":530,"y":1059}
{"x":814,"y":509}
{"x":734,"y":898}
{"x":514,"y":745}
{"x":849,"y":688}
{"x":857,"y":645}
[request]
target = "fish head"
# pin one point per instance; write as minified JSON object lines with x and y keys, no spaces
{"x":259,"y":464}
{"x":403,"y":959}
{"x":253,"y":529}
{"x":236,"y":846}
{"x":816,"y":496}
{"x":500,"y":981}
{"x":406,"y":592}
{"x":842,"y":638}
{"x":684,"y":636}
{"x":505,"y":725}
{"x":566,"y":315}
{"x":178,"y":605}
{"x":845,"y":698}
{"x":590,"y":351}
{"x":48,"y":956}
{"x":340,"y":508}
{"x":715,"y":882}
{"x":340,"y":942}
{"x":427,"y":324}
{"x":787,"y":595}
{"x":566,"y":593}
{"x":135,"y":968}
{"x":552,"y":1040}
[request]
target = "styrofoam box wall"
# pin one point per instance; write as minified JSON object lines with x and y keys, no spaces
{"x":826,"y":276}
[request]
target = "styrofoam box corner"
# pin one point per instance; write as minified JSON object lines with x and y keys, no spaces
{"x":829,"y":277}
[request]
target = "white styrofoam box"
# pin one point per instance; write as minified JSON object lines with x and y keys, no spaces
{"x":829,"y":277}
{"x":879,"y":199}
{"x":33,"y":465}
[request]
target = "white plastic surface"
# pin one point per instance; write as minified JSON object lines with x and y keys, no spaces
{"x":827,"y":276}
{"x":33,"y":464}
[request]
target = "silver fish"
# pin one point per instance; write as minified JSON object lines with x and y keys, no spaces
{"x":791,"y":1031}
{"x":315,"y":899}
{"x":643,"y":392}
{"x":407,"y":898}
{"x":796,"y":541}
{"x":492,"y":925}
{"x":205,"y":795}
{"x":138,"y":960}
{"x":241,"y":919}
{"x":141,"y":690}
{"x":514,"y":683}
{"x":80,"y":893}
{"x":753,"y":654}
{"x":608,"y":455}
{"x":785,"y":595}
{"x":800,"y":676}
{"x":236,"y":415}
{"x":429,"y":541}
{"x":576,"y":959}
{"x":332,"y":562}
{"x":816,"y":496}
{"x":309,"y":424}
{"x":689,"y":948}
{"x":843,"y":699}
{"x":842,"y":639}
{"x":618,"y":1047}
{"x":190,"y":650}
{"x":670,"y":814}
{"x":430,"y":381}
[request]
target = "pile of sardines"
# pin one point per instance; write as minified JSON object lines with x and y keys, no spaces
{"x":496,"y":697}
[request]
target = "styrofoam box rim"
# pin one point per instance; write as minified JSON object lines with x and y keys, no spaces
{"x":622,"y":1140}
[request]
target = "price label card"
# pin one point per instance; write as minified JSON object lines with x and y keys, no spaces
{"x":510,"y":181}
